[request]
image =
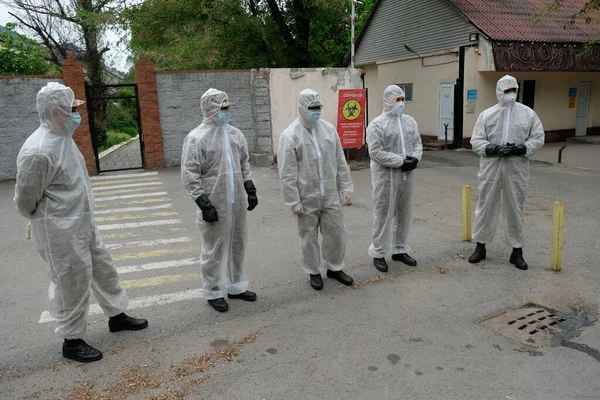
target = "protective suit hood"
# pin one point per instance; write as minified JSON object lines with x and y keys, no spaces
{"x":307,"y":98}
{"x":505,"y":83}
{"x":390,"y":94}
{"x":211,"y":102}
{"x":53,"y":103}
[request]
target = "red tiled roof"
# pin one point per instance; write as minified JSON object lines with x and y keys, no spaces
{"x":513,"y":20}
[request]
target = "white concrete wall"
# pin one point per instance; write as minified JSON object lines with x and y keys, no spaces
{"x":426,"y":74}
{"x":285,"y":84}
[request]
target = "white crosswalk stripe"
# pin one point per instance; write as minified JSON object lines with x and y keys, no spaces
{"x":152,"y":248}
{"x":132,"y":209}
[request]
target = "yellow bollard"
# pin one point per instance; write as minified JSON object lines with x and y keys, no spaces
{"x":466,"y":202}
{"x":558,"y":226}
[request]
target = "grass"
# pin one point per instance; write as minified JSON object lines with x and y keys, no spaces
{"x":114,"y":138}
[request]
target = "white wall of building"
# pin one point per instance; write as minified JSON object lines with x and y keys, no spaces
{"x":285,"y":84}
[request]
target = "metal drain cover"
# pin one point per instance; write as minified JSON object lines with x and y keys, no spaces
{"x":531,"y":325}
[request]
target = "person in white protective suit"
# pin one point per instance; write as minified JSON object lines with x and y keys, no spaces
{"x":395,"y":149}
{"x":313,"y":172}
{"x":215,"y":170}
{"x":505,"y":136}
{"x":53,"y":191}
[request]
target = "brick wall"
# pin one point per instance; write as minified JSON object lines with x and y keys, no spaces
{"x":149,"y":114}
{"x":73,"y":78}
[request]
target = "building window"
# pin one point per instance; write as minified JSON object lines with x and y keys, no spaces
{"x":408,"y":90}
{"x":526,"y":93}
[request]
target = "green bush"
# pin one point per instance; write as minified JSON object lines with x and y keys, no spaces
{"x":114,"y":138}
{"x":131,"y":131}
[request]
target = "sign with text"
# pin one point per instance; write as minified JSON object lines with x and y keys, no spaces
{"x":352,"y":105}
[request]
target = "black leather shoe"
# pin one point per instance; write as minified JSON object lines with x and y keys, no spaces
{"x":380,"y":264}
{"x":516,"y":258}
{"x":341,"y":277}
{"x":316,"y":281}
{"x":405,"y":258}
{"x":79,"y":350}
{"x":479,"y":254}
{"x":219,"y":304}
{"x":246,"y":296}
{"x":124,"y":322}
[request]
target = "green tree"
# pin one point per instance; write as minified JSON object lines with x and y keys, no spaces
{"x":233,"y":34}
{"x":20,"y":55}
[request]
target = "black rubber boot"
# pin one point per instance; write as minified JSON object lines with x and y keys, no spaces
{"x":516,"y":258}
{"x":219,"y":304}
{"x":79,"y":350}
{"x":341,"y":277}
{"x":479,"y":254}
{"x":316,"y":281}
{"x":405,"y":258}
{"x":380,"y":264}
{"x":124,"y":322}
{"x":246,"y":296}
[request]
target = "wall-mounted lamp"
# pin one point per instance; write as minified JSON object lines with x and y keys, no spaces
{"x":473,"y":37}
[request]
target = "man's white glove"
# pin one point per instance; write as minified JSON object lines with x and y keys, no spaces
{"x":298,"y":209}
{"x":346,"y":198}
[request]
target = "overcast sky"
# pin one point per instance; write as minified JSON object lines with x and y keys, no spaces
{"x":117,"y":55}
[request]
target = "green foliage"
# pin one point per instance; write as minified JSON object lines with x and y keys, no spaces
{"x":114,"y":138}
{"x":20,"y":55}
{"x":242,"y":34}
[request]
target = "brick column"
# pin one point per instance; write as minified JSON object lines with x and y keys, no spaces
{"x":149,"y":115}
{"x":73,"y":78}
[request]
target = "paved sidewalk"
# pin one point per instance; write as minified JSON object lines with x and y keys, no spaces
{"x":128,"y":156}
{"x":578,"y":155}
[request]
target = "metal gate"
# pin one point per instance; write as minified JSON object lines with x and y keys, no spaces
{"x":114,"y":118}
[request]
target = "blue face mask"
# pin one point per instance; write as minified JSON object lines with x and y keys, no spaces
{"x":74,"y":122}
{"x":314,"y":115}
{"x":223,"y":117}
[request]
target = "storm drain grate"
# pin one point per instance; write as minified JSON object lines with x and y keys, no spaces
{"x":531,"y":324}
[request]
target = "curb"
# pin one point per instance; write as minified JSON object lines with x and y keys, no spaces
{"x":116,"y":147}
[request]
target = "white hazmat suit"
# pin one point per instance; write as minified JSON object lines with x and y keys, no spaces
{"x":504,"y":178}
{"x":392,"y":137}
{"x":313,"y":171}
{"x":215,"y":163}
{"x":53,"y":190}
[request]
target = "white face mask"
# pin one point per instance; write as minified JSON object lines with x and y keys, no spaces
{"x":399,"y":107}
{"x":509,"y":98}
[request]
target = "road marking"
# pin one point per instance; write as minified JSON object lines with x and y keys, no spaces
{"x":130,"y":196}
{"x":106,"y":183}
{"x":120,"y":235}
{"x":108,"y":177}
{"x":132,"y":209}
{"x":139,"y":224}
{"x":141,"y":302}
{"x":122,"y":191}
{"x":134,"y":202}
{"x":148,"y":243}
{"x":149,"y":254}
{"x":158,"y":265}
{"x":127,"y":185}
{"x":135,"y":216}
{"x":159,"y":280}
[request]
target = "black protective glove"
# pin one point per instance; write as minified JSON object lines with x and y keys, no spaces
{"x":251,"y":191}
{"x":409,"y":164}
{"x":416,"y":160}
{"x":517,"y":150}
{"x":209,"y":212}
{"x":495,"y":150}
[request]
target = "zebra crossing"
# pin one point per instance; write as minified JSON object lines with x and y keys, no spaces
{"x":156,"y":256}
